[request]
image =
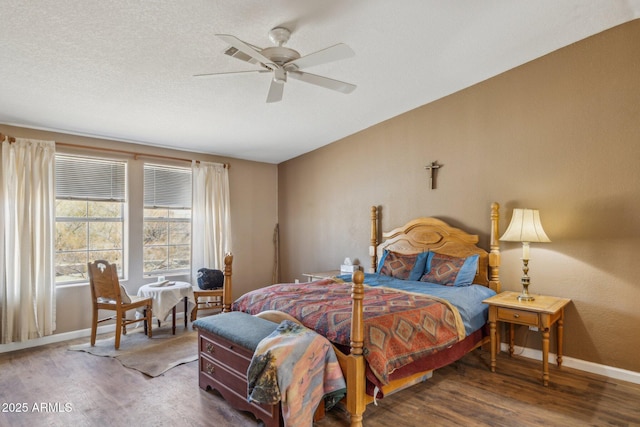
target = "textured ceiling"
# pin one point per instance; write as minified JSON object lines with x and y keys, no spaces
{"x":122,"y":69}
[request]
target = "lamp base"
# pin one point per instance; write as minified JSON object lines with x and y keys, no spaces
{"x":525,"y":281}
{"x":525,"y":297}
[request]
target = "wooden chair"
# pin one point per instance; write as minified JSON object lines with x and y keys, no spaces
{"x":215,"y":298}
{"x":108,"y":294}
{"x":210,"y":299}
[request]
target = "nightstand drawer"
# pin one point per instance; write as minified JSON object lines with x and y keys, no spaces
{"x":517,"y":316}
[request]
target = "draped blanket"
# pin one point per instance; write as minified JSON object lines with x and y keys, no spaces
{"x":297,"y":367}
{"x":400,"y":327}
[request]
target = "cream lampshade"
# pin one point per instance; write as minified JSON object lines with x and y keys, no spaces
{"x":525,"y":227}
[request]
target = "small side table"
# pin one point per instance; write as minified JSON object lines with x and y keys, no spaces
{"x":321,"y":275}
{"x":542,"y":313}
{"x":166,"y":297}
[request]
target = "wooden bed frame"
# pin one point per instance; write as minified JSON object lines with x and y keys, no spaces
{"x":418,"y":235}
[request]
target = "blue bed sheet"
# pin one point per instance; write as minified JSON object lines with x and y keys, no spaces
{"x":467,"y":299}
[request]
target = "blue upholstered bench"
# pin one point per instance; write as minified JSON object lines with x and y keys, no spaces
{"x":240,"y":328}
{"x":226,"y":344}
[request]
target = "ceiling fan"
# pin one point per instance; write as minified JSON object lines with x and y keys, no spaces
{"x":285,"y":62}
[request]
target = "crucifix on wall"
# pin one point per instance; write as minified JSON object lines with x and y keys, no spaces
{"x":432,"y":168}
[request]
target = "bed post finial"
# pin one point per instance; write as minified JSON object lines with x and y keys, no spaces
{"x":227,"y":289}
{"x":494,"y":254}
{"x":373,"y":248}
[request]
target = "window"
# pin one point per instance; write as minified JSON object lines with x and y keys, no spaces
{"x":90,"y":200}
{"x":167,"y":219}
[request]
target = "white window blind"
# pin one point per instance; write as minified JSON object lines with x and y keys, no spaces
{"x":167,"y":187}
{"x":81,"y":178}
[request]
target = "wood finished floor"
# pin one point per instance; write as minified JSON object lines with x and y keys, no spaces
{"x":101,"y":392}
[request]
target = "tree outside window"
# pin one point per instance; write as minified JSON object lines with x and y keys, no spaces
{"x":87,"y":231}
{"x":167,"y":220}
{"x":90,"y":224}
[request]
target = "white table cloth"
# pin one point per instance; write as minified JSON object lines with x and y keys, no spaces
{"x":167,"y":296}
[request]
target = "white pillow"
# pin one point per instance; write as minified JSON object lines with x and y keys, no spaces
{"x":124,"y":296}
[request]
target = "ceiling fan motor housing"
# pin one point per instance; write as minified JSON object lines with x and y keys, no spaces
{"x":280,"y":55}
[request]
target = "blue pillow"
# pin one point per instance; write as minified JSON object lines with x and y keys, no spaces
{"x":420,"y":267}
{"x":468,"y":271}
{"x":381,"y":262}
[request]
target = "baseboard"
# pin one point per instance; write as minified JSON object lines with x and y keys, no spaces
{"x":582,"y":365}
{"x":50,"y":339}
{"x":65,"y":336}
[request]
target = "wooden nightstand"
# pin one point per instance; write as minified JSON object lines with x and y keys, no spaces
{"x":322,"y":275}
{"x":542,"y":313}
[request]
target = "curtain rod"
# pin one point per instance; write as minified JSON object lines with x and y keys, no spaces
{"x":132,"y":153}
{"x":10,"y":138}
{"x":113,"y":150}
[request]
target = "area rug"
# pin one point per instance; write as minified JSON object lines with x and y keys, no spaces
{"x":151,"y":356}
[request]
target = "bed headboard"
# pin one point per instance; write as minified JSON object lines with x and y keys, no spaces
{"x":433,"y":234}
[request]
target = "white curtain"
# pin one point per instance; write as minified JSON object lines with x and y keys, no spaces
{"x":27,"y":272}
{"x":211,"y":220}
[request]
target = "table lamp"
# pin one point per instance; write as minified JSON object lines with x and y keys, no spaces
{"x":525,"y":227}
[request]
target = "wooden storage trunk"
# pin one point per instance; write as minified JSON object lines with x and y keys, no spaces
{"x":226,"y":344}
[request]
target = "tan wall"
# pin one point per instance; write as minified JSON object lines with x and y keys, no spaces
{"x":253,"y":194}
{"x":561,"y":134}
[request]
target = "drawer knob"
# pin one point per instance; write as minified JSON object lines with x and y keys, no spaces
{"x":209,"y":368}
{"x":516,"y":315}
{"x":209,"y":348}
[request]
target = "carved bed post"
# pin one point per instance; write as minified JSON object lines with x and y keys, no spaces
{"x":494,"y":254}
{"x":357,"y":323}
{"x":373,"y":248}
{"x":227,"y":297}
{"x":356,"y":386}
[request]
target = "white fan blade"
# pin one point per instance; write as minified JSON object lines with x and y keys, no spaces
{"x":246,"y":49}
{"x":330,"y":54}
{"x":235,"y":53}
{"x":323,"y":81}
{"x":228,"y":73}
{"x":275,"y":91}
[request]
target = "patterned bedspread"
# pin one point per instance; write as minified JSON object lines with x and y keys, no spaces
{"x":297,"y":367}
{"x":400,"y":327}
